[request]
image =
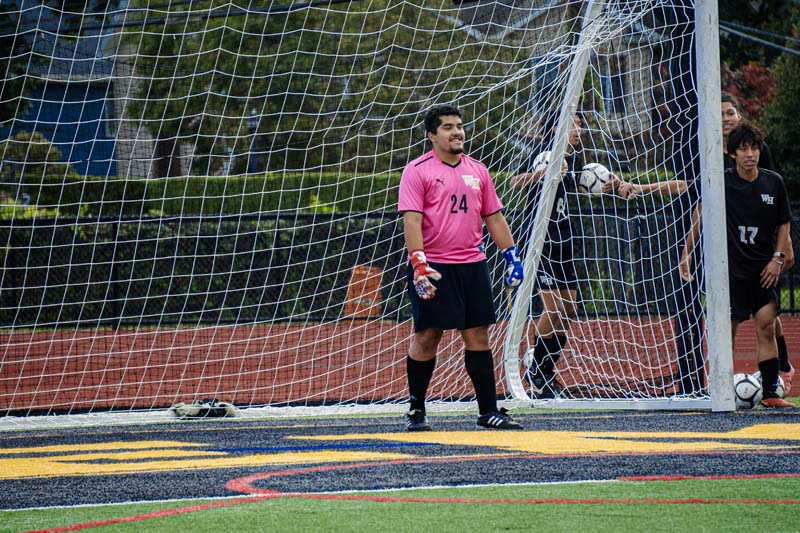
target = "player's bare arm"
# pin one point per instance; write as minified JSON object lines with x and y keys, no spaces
{"x":685,"y":266}
{"x":498,"y":228}
{"x":412,"y":230}
{"x":525,"y":179}
{"x":423,"y":273}
{"x":630,"y":190}
{"x":771,"y":273}
{"x":789,"y":251}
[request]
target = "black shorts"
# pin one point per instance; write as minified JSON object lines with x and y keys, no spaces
{"x":748,"y":296}
{"x":463,"y":298}
{"x":556,"y":268}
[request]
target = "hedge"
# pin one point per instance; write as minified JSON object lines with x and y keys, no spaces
{"x":213,"y":195}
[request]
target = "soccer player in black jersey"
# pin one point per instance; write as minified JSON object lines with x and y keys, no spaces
{"x":556,"y":277}
{"x":757,"y":220}
{"x":730,"y":119}
{"x":688,"y":325}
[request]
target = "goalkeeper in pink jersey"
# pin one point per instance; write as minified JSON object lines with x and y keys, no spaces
{"x":445,"y":198}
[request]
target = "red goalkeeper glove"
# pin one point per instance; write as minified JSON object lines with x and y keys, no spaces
{"x":423,"y":274}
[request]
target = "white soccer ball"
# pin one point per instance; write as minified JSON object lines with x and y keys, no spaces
{"x":541,"y":160}
{"x":592,"y":178}
{"x":527,"y":359}
{"x":781,"y":390}
{"x":748,"y":391}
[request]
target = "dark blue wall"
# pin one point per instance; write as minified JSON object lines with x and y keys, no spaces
{"x":75,"y":117}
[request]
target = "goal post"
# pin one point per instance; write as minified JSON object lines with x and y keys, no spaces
{"x":550,"y":182}
{"x":697,"y":153}
{"x":720,"y":349}
{"x":703,"y":92}
{"x":199,"y":199}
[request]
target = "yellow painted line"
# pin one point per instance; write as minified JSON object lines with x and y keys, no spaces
{"x":126,"y":457}
{"x":587,"y":442}
{"x":121,"y":445}
{"x":79,"y":464}
{"x":248,"y":425}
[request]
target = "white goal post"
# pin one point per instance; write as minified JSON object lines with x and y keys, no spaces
{"x":198,"y":199}
{"x":595,"y":22}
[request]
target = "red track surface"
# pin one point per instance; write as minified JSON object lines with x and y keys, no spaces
{"x":272,"y":364}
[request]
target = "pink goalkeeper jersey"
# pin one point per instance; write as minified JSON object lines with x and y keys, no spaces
{"x":453,"y":202}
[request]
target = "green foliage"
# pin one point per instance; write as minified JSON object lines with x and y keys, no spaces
{"x":215,"y":195}
{"x":31,"y":157}
{"x":15,"y":62}
{"x":336,"y":96}
{"x":780,"y":117}
{"x":194,"y":269}
{"x":13,"y":210}
{"x":769,"y":15}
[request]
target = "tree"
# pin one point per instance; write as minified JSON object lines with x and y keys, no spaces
{"x":780,"y":115}
{"x":15,"y":62}
{"x":751,"y":84}
{"x":333,"y":90}
{"x":768,"y":15}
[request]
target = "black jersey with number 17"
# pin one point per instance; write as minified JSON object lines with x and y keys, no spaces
{"x":754,"y":210}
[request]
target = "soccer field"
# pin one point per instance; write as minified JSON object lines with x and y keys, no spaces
{"x":698,"y":505}
{"x":593,"y":471}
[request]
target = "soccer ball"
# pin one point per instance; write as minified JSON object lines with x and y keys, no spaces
{"x":543,"y":159}
{"x":592,"y":178}
{"x":781,"y":390}
{"x":527,"y":359}
{"x":748,"y":391}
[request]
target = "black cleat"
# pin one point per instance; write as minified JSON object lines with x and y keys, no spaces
{"x":498,"y":420}
{"x":417,"y":421}
{"x":543,"y":387}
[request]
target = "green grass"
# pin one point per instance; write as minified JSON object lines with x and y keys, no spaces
{"x":296,"y":514}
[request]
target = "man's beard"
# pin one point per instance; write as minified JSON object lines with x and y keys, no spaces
{"x":456,"y":151}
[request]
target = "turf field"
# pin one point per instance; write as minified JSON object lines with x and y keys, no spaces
{"x":589,"y":470}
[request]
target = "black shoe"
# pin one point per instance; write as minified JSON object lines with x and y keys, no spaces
{"x":498,"y":420}
{"x":543,"y":387}
{"x":417,"y":421}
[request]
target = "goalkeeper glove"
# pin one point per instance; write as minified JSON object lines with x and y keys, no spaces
{"x":423,"y":274}
{"x":514,"y":273}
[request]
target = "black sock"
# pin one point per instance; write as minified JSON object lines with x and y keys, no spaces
{"x":480,"y":368}
{"x":689,"y":342}
{"x":419,"y":377}
{"x":783,"y":354}
{"x":553,"y":347}
{"x":539,"y":351}
{"x":769,"y":377}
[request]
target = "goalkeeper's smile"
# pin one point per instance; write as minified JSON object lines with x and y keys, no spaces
{"x":456,"y":140}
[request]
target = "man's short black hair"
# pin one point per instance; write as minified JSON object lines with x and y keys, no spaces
{"x":744,"y":133}
{"x":432,"y":117}
{"x":729,"y":98}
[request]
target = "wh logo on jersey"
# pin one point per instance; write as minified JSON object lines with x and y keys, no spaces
{"x":545,"y":280}
{"x":471,"y":181}
{"x":767,"y":199}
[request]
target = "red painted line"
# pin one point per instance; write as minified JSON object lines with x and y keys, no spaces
{"x":538,"y":501}
{"x":159,"y":514}
{"x":245,"y":485}
{"x":729,"y":476}
{"x":390,"y":499}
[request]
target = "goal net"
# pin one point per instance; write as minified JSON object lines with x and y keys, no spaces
{"x":198,"y":199}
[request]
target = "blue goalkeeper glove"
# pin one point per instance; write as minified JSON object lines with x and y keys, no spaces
{"x":514,"y":273}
